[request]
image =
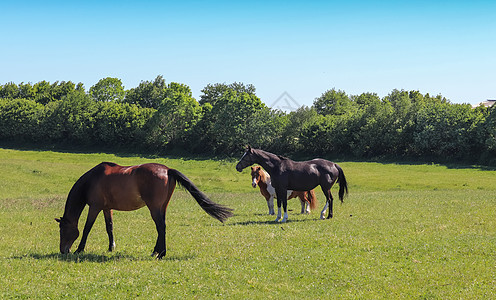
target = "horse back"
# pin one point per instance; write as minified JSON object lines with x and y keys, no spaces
{"x":306,"y":175}
{"x":126,"y":187}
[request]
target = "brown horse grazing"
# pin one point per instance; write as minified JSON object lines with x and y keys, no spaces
{"x":109,"y":186}
{"x":262,"y":179}
{"x":300,"y":176}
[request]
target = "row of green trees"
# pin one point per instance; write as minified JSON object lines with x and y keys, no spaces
{"x":157,"y":117}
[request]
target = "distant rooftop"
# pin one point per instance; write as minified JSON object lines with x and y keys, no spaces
{"x":487,"y":103}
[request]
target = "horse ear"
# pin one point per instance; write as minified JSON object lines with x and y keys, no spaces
{"x":248,"y":148}
{"x":258,"y":168}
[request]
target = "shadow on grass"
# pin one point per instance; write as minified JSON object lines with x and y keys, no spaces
{"x":270,"y":222}
{"x":99,"y":258}
{"x":124,"y":151}
{"x":483,"y":164}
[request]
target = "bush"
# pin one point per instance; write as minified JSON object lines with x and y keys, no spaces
{"x":117,"y":124}
{"x":18,"y":118}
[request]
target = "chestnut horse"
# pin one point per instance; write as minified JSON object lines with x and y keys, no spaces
{"x":262,"y":179}
{"x":109,"y":186}
{"x":299,"y":176}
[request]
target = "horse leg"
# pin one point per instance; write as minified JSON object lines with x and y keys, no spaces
{"x":304,"y":201}
{"x":159,"y":220}
{"x":279,"y":204}
{"x":157,"y":202}
{"x":303,"y":210}
{"x":90,"y":220}
{"x":270,"y":204}
{"x":285,"y":207}
{"x":330,"y":205}
{"x":308,"y":201}
{"x":282,"y":200}
{"x":329,"y":201}
{"x":107,"y":213}
{"x":322,"y":213}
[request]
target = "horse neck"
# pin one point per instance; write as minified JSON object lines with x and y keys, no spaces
{"x":75,"y":203}
{"x":267,"y":160}
{"x":264,"y":179}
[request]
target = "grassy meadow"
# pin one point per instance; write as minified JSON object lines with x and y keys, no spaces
{"x":405,"y":231}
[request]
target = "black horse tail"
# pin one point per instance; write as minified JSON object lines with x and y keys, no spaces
{"x":217,"y":211}
{"x":343,"y":185}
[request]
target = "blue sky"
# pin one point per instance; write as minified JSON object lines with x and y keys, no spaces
{"x":301,"y":48}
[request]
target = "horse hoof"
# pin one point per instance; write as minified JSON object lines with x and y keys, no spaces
{"x":111,"y":247}
{"x":161,"y":255}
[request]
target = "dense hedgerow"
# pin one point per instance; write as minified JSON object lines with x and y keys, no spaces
{"x":156,"y":116}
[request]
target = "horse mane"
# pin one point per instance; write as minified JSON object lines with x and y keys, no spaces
{"x":264,"y":175}
{"x":111,"y":164}
{"x":270,"y":156}
{"x":77,"y":198}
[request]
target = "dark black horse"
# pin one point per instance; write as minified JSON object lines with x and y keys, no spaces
{"x":298,"y":176}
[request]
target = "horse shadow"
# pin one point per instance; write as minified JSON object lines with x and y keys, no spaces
{"x":98,"y":258}
{"x":269,"y":222}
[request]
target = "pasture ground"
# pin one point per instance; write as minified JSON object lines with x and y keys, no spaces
{"x":405,"y":231}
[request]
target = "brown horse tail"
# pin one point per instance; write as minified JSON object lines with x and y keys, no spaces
{"x":217,"y":211}
{"x":312,"y":199}
{"x":343,"y":185}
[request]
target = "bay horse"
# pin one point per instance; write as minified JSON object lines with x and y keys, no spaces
{"x":297,"y":175}
{"x":262,"y":179}
{"x":109,"y":186}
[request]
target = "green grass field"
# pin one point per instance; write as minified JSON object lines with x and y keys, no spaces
{"x":405,"y":231}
